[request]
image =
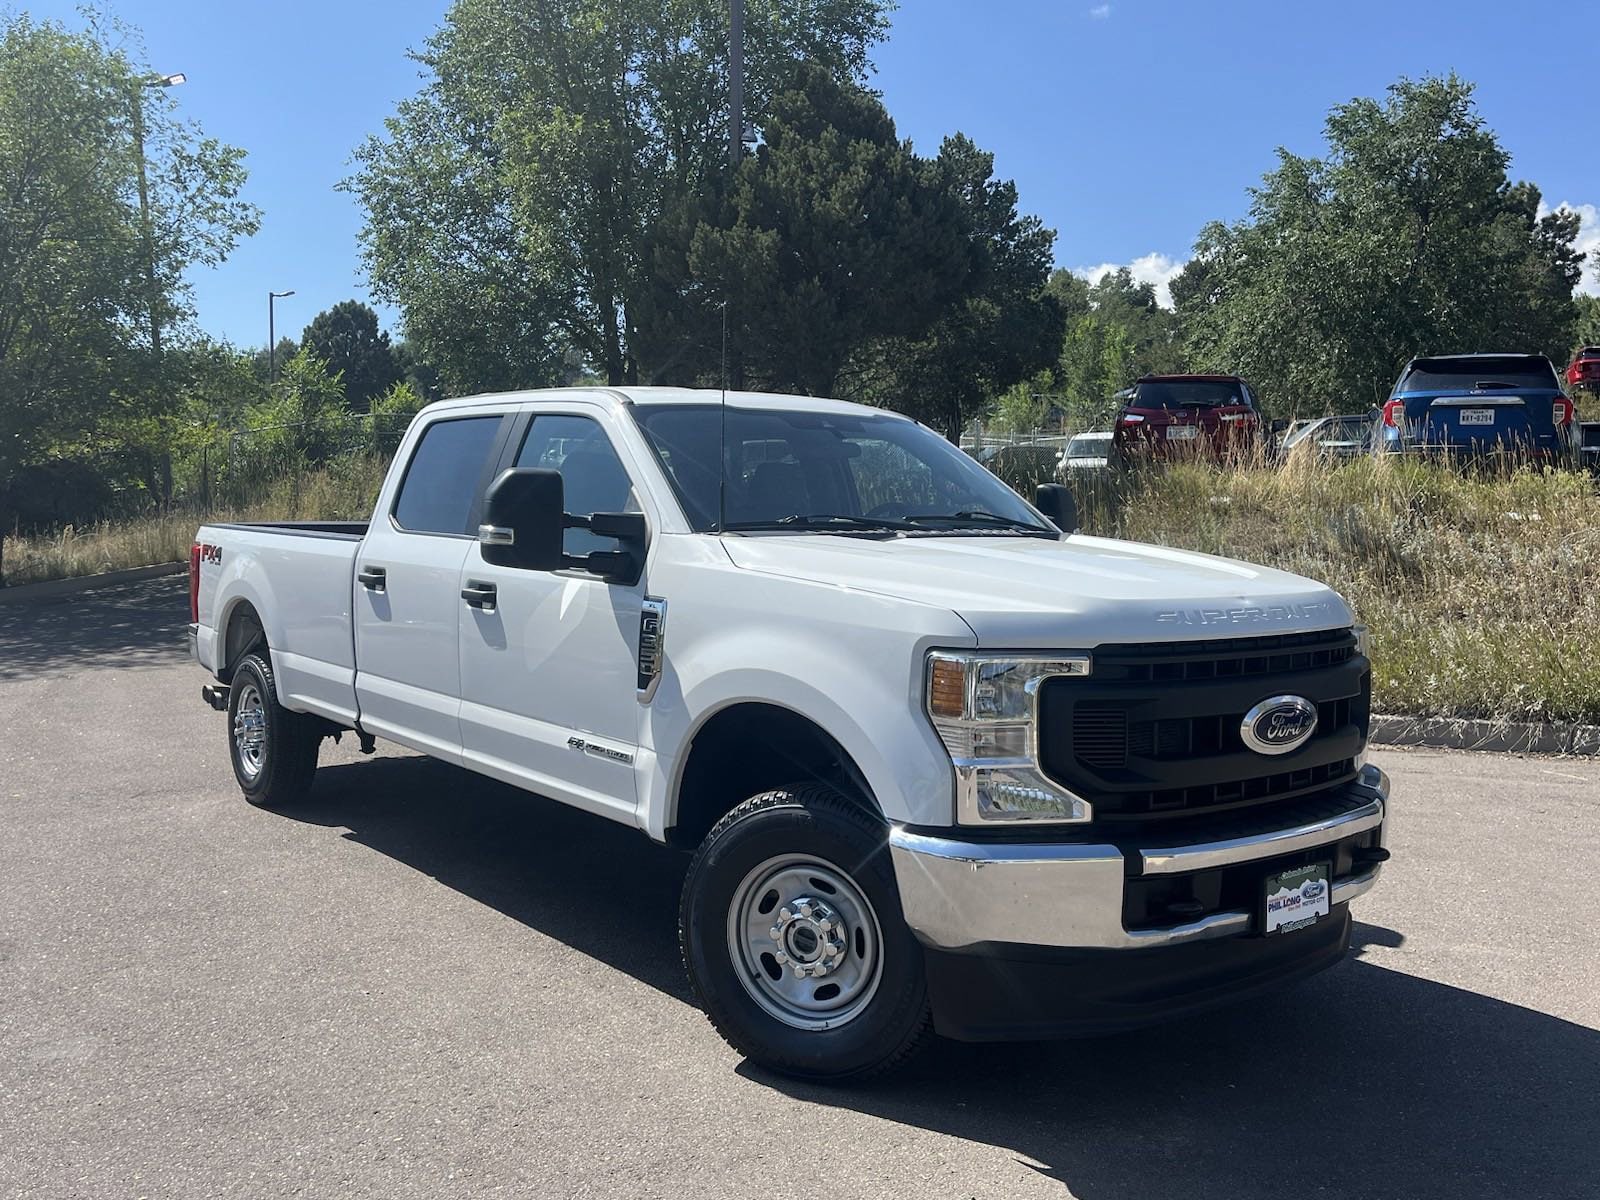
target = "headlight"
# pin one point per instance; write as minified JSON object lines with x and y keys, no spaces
{"x":1363,"y":642}
{"x":985,"y":709}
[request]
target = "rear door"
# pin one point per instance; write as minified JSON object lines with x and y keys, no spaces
{"x":407,"y":591}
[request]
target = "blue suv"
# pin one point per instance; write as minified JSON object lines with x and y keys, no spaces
{"x":1479,"y":406}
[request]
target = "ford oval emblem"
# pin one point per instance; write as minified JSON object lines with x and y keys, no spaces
{"x":1278,"y":724}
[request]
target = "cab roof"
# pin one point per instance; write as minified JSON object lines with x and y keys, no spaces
{"x":673,"y":395}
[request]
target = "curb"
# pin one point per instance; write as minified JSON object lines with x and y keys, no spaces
{"x":1505,"y":737}
{"x":25,"y":592}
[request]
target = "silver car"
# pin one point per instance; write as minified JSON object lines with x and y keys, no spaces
{"x":1085,"y":452}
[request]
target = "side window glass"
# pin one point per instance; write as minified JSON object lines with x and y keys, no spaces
{"x":593,"y":478}
{"x":441,"y":481}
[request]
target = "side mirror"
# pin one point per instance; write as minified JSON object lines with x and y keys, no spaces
{"x":523,"y":520}
{"x":1055,"y":501}
{"x":1280,"y":425}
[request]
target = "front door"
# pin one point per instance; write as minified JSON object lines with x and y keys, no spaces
{"x":407,"y":589}
{"x":548,"y":673}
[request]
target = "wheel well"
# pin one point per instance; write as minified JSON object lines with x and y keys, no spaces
{"x":243,"y":633}
{"x":751,"y":748}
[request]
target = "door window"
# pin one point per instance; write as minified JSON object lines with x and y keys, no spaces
{"x":440,"y":487}
{"x":593,"y":478}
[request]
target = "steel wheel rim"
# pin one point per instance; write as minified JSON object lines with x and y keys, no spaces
{"x":250,"y":730}
{"x":805,"y":942}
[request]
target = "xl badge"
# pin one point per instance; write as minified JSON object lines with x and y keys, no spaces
{"x":1278,"y":724}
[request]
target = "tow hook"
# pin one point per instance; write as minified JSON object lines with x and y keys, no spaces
{"x":216,"y":695}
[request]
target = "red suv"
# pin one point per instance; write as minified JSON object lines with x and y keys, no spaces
{"x":1183,"y":416}
{"x":1585,"y":369}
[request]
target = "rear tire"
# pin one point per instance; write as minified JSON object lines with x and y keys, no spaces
{"x":273,"y":750}
{"x":793,"y":939}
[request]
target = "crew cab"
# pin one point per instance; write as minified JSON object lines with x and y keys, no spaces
{"x":1501,"y":407}
{"x":1185,"y":416}
{"x":943,"y":763}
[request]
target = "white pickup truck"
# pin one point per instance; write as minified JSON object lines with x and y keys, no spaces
{"x":943,"y":764}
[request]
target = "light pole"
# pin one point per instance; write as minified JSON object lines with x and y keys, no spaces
{"x":149,"y":81}
{"x":272,"y":334}
{"x":735,"y":82}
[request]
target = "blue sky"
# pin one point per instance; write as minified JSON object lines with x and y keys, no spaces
{"x":1127,"y":125}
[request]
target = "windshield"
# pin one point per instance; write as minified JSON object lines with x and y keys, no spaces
{"x":1173,"y":393}
{"x":1089,"y":445}
{"x":1334,"y":429}
{"x":810,"y":470}
{"x":1475,"y":374}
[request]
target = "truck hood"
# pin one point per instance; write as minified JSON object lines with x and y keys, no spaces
{"x":1027,"y":592}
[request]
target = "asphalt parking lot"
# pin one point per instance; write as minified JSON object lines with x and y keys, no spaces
{"x":425,"y":984}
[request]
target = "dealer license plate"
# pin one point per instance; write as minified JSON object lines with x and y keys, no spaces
{"x":1182,"y":433}
{"x":1297,"y":898}
{"x":1477,"y":416}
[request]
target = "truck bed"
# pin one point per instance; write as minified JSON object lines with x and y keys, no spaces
{"x":299,"y":578}
{"x":354,"y":530}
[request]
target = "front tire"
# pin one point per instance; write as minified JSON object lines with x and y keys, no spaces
{"x":794,"y":942}
{"x":273,"y":750}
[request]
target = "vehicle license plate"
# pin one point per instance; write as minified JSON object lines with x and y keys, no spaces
{"x":1182,"y":433}
{"x":1477,"y":416}
{"x":1298,"y":898}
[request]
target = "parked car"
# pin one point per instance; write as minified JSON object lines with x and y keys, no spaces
{"x":1479,"y":406}
{"x":1584,"y":371}
{"x":941,"y":765}
{"x":1084,"y":452}
{"x":1023,"y":465}
{"x":1346,"y":436}
{"x":1589,"y":445}
{"x":1180,"y":416}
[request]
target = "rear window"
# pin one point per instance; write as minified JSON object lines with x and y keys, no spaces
{"x":1089,"y":445}
{"x":1197,"y":393}
{"x":1472,"y":374}
{"x":441,"y":482}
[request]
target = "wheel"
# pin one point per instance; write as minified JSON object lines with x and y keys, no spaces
{"x":273,"y":750}
{"x":794,"y":942}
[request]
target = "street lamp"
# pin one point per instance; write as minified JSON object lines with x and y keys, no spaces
{"x":272,"y":334}
{"x":149,"y":81}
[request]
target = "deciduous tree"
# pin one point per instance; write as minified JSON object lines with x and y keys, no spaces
{"x":1408,"y":237}
{"x":82,"y":279}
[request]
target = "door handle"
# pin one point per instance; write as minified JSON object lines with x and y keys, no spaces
{"x":374,"y":579}
{"x":478,"y":594}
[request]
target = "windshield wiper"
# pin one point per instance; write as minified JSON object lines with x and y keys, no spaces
{"x":823,"y":521}
{"x":978,"y":517}
{"x":1484,"y":385}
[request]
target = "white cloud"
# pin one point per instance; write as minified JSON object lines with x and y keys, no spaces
{"x":1153,"y":268}
{"x":1100,"y":12}
{"x":1588,"y":242}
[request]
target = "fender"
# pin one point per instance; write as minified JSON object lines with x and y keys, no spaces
{"x":869,"y":703}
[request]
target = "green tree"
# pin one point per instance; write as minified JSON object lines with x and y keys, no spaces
{"x":508,"y":205}
{"x":1001,"y":326}
{"x":348,"y":339}
{"x":82,"y":278}
{"x":1407,"y":238}
{"x":830,"y":210}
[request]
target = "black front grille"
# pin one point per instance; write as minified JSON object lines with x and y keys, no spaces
{"x":1155,"y":731}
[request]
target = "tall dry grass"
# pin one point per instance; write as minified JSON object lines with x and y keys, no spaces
{"x":1482,"y":590}
{"x":345,"y":490}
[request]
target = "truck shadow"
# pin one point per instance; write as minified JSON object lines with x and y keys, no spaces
{"x":602,"y":888}
{"x":1362,"y":1082}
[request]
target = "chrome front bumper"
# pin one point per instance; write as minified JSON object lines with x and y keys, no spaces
{"x":961,"y":894}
